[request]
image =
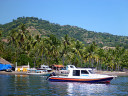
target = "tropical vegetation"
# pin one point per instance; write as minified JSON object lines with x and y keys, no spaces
{"x":22,"y":43}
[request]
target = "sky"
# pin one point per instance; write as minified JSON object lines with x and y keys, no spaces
{"x":109,"y":16}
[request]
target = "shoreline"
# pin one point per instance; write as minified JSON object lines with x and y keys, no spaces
{"x":115,"y":73}
{"x":12,"y":73}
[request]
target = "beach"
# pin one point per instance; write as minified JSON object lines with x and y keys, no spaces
{"x":13,"y":73}
{"x":115,"y":73}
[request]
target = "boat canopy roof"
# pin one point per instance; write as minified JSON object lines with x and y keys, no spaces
{"x":59,"y":66}
{"x":82,"y":69}
{"x":44,"y":66}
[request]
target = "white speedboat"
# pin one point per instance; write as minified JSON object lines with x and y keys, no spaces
{"x":82,"y":75}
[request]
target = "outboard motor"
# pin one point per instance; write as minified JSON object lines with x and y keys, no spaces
{"x":52,"y":74}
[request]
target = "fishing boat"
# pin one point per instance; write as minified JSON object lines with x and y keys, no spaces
{"x":34,"y":71}
{"x":45,"y":67}
{"x":81,"y":75}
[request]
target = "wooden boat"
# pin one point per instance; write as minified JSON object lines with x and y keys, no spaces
{"x":45,"y":67}
{"x":38,"y":72}
{"x":81,"y":75}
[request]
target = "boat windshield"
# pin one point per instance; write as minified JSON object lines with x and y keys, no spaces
{"x":84,"y":72}
{"x":91,"y":71}
{"x":71,"y":66}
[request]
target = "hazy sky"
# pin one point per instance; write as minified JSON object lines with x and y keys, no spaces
{"x":109,"y":16}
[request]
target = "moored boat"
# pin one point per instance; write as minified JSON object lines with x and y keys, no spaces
{"x":82,"y":75}
{"x":45,"y":67}
{"x":38,"y":72}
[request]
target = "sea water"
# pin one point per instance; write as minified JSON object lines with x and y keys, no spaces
{"x":38,"y":86}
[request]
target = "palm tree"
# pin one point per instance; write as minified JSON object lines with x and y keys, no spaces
{"x":1,"y":44}
{"x":19,"y":38}
{"x":101,"y":57}
{"x":12,"y":37}
{"x":78,"y":50}
{"x":91,"y":54}
{"x":0,"y":33}
{"x":66,"y":42}
{"x":22,"y":37}
{"x":52,"y":44}
{"x":22,"y":41}
{"x":118,"y":54}
{"x":124,"y":59}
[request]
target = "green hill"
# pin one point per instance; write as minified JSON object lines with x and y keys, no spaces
{"x":44,"y":28}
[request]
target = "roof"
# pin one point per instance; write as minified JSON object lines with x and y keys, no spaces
{"x":24,"y":66}
{"x":3,"y":61}
{"x":58,"y":66}
{"x":106,"y":47}
{"x":5,"y":40}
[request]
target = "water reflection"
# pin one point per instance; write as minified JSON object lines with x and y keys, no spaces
{"x":21,"y":84}
{"x":28,"y":84}
{"x":38,"y":85}
{"x":86,"y":89}
{"x":81,"y":89}
{"x":4,"y":83}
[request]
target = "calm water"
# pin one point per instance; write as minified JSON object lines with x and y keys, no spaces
{"x":38,"y":85}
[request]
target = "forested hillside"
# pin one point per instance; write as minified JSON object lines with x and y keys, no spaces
{"x":40,"y":42}
{"x":44,"y":28}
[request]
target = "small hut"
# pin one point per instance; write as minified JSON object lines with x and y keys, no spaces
{"x":23,"y":68}
{"x":5,"y":64}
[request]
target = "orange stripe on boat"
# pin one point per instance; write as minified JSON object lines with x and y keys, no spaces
{"x":76,"y":79}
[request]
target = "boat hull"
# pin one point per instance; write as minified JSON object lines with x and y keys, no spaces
{"x":99,"y":80}
{"x":44,"y":74}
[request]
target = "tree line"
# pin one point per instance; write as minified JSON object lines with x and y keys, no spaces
{"x":22,"y":47}
{"x":44,"y":28}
